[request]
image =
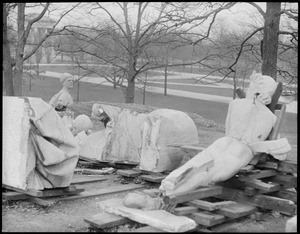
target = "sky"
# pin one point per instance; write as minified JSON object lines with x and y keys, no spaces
{"x":235,"y":19}
{"x":238,"y":12}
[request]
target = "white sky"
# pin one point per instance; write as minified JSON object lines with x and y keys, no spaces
{"x":237,"y":18}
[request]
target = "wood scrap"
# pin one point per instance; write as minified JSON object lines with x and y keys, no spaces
{"x":129,"y":173}
{"x":106,"y":220}
{"x":207,"y":218}
{"x":99,"y":192}
{"x":160,"y":219}
{"x":236,"y":210}
{"x":153,"y":178}
{"x":103,"y":171}
{"x":81,"y":179}
{"x":210,"y":206}
{"x":193,"y":195}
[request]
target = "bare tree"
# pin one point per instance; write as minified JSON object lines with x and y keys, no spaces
{"x":277,"y":56}
{"x":14,"y":79}
{"x":123,"y":42}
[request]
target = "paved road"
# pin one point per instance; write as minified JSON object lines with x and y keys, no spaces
{"x":175,"y":92}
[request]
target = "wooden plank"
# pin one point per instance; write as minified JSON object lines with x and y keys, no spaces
{"x":253,"y":183}
{"x":261,"y":174}
{"x":82,"y":179}
{"x":106,"y":220}
{"x":275,"y":130}
{"x":246,"y":169}
{"x":60,"y":192}
{"x":129,"y":173}
{"x":250,"y":191}
{"x":102,"y":171}
{"x":99,"y":192}
{"x":147,"y":229}
{"x":209,"y":206}
{"x":192,"y":195}
{"x":185,"y":210}
{"x":15,"y":196}
{"x":160,"y":219}
{"x":236,"y":210}
{"x":153,"y":178}
{"x":287,"y":166}
{"x":286,"y":194}
{"x":42,"y":202}
{"x":275,"y":97}
{"x":287,"y":181}
{"x":267,"y":164}
{"x":31,"y":192}
{"x":263,"y":201}
{"x":207,"y":219}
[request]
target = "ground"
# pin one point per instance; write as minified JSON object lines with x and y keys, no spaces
{"x":67,"y":216}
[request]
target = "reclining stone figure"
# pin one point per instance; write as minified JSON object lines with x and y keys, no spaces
{"x":248,"y":124}
{"x":143,"y":138}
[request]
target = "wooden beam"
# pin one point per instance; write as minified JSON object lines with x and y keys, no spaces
{"x":185,"y":210}
{"x":207,"y":218}
{"x":153,"y":178}
{"x":31,"y":192}
{"x":129,"y":173}
{"x":209,"y":206}
{"x":253,"y":183}
{"x":286,"y":181}
{"x":287,"y":166}
{"x":267,"y":164}
{"x":82,"y":179}
{"x":192,"y":195}
{"x":15,"y":196}
{"x":99,"y":192}
{"x":286,"y":194}
{"x":236,"y":210}
{"x":261,"y":174}
{"x":263,"y":201}
{"x":106,"y":220}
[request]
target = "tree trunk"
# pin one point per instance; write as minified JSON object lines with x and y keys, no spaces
{"x":131,"y":82}
{"x":20,"y":50}
{"x":270,"y":45}
{"x":7,"y":68}
{"x":130,"y":91}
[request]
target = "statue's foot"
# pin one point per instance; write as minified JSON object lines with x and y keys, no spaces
{"x":145,"y":200}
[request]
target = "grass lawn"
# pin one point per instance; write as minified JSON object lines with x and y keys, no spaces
{"x":47,"y":87}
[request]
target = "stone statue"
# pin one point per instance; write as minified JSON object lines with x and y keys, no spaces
{"x":144,"y":138}
{"x":81,"y":127}
{"x":39,"y":150}
{"x":248,"y":124}
{"x":62,"y":102}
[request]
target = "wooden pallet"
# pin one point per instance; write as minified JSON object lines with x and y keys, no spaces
{"x":267,"y":185}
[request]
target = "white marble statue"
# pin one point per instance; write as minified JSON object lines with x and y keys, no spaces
{"x":62,"y":102}
{"x":144,"y":138}
{"x":39,"y":150}
{"x":248,"y":124}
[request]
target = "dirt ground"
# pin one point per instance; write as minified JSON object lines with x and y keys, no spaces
{"x":67,"y":216}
